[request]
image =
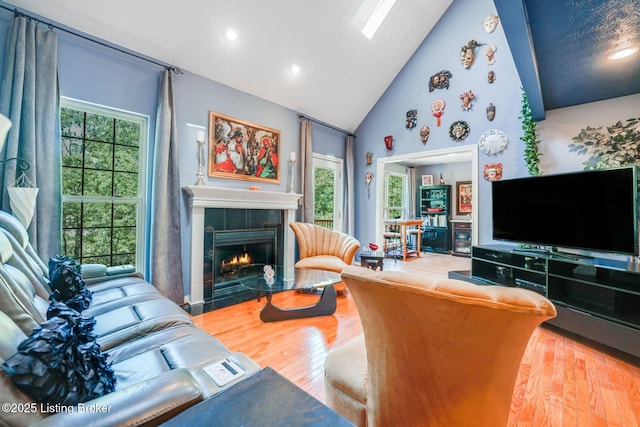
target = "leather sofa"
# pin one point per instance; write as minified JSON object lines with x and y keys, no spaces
{"x":323,"y":249}
{"x":432,"y":353}
{"x":157,"y":354}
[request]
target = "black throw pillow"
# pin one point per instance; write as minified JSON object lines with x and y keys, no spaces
{"x":60,"y":362}
{"x":67,"y":283}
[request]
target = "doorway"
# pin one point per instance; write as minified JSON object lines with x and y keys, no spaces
{"x":458,"y":154}
{"x":328,"y":185}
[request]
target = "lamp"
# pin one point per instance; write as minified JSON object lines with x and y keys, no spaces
{"x":22,"y":193}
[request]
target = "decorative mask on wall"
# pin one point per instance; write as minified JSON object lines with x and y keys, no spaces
{"x":490,"y":52}
{"x":368,"y":178}
{"x":459,"y":130}
{"x":467,"y":97}
{"x":412,"y":119}
{"x":491,"y":77}
{"x":424,"y":134}
{"x":440,"y":80}
{"x":490,"y":23}
{"x":493,"y":171}
{"x":438,"y":109}
{"x":369,"y":158}
{"x":491,"y":112}
{"x":467,"y":53}
{"x":388,"y":142}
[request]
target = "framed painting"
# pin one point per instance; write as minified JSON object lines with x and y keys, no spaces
{"x":464,"y":203}
{"x":243,"y":150}
{"x":427,"y":179}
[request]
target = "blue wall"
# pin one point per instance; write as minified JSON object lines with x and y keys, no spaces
{"x":441,"y":51}
{"x":96,"y":74}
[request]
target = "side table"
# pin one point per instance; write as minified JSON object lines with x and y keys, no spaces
{"x":373,"y":260}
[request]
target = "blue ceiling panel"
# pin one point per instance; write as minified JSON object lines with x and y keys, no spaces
{"x":571,"y":41}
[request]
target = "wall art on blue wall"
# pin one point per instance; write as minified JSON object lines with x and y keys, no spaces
{"x":243,"y":150}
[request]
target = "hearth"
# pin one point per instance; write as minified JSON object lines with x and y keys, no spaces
{"x":202,"y":200}
{"x":228,"y":255}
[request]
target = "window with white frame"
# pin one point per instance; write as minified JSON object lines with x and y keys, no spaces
{"x":395,"y":195}
{"x":103,"y":183}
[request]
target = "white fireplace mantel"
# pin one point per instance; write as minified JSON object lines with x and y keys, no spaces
{"x":200,"y":198}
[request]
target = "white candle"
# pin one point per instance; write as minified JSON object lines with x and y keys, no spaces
{"x":200,"y":136}
{"x":293,"y":156}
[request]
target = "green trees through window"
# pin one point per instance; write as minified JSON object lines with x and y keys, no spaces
{"x":394,"y":192}
{"x":323,"y":197}
{"x":100,"y":184}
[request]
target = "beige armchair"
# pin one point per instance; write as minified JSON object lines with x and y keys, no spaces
{"x":434,"y":353}
{"x":323,"y":249}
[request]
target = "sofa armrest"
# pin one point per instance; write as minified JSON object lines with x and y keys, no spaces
{"x":149,"y":403}
{"x":97,"y":273}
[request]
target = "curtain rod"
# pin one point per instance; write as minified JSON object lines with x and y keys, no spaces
{"x":50,"y":25}
{"x":302,"y":116}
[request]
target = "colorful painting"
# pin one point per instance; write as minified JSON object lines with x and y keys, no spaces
{"x":243,"y":150}
{"x":464,"y":204}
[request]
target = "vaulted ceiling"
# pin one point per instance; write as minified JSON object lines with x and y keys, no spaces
{"x":560,"y":47}
{"x":342,"y":73}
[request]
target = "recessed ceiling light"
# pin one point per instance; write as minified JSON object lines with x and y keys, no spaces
{"x":231,"y":34}
{"x":376,"y":18}
{"x":623,"y":53}
{"x":295,"y":69}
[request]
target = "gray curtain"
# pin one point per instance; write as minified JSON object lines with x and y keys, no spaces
{"x":349,"y":199}
{"x":166,"y":250}
{"x":307,"y":171}
{"x":30,"y":99}
{"x":413,"y":189}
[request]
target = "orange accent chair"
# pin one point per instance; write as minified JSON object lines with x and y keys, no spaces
{"x":323,"y":249}
{"x":433,"y":353}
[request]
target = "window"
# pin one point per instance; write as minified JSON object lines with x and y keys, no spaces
{"x":327,"y":190}
{"x":395,"y":195}
{"x":103,"y":184}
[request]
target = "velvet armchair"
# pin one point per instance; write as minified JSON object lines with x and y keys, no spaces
{"x":433,"y":353}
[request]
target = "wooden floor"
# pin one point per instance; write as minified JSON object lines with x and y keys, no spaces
{"x":564,"y":380}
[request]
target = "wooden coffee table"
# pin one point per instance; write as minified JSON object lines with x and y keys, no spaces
{"x":253,"y":277}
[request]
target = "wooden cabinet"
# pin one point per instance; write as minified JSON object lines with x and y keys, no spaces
{"x":434,"y":205}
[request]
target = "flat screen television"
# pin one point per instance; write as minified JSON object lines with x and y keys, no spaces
{"x":591,"y":210}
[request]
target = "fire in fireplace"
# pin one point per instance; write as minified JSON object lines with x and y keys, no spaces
{"x":231,"y":266}
{"x":228,"y":252}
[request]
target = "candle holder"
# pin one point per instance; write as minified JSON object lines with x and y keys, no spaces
{"x":200,"y":182}
{"x":292,"y":173}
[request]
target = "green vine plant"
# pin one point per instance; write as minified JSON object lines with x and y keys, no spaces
{"x":531,"y":152}
{"x":618,"y":146}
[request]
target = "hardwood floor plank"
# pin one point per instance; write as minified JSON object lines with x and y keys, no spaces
{"x":568,"y":400}
{"x":563,"y":380}
{"x":517,"y":403}
{"x":583,"y":399}
{"x":619,"y":392}
{"x":543,"y":405}
{"x":557,"y":384}
{"x":594,"y":388}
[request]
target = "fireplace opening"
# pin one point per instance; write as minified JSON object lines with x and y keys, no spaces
{"x":228,"y":256}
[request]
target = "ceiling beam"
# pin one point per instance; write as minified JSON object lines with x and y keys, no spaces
{"x":515,"y":22}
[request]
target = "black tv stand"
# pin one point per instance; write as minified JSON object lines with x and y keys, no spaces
{"x":596,"y":298}
{"x":552,"y":252}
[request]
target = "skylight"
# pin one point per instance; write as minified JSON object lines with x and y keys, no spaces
{"x":379,"y":13}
